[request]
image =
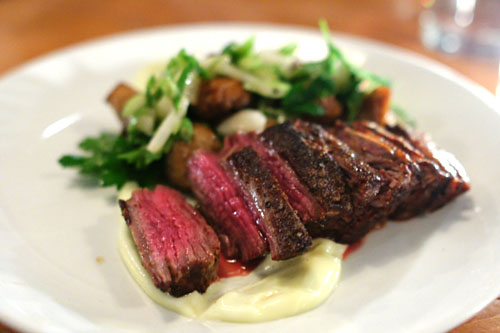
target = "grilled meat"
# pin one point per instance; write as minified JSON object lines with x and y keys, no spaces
{"x":398,"y":173}
{"x":457,"y":181}
{"x":363,"y":182}
{"x":224,"y":208}
{"x":286,"y":235}
{"x":272,"y":192}
{"x":321,"y":175}
{"x":177,"y":247}
{"x":298,"y":195}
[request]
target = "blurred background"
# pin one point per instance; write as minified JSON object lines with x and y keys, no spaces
{"x":463,"y":34}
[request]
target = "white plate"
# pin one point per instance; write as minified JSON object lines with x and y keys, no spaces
{"x":429,"y":274}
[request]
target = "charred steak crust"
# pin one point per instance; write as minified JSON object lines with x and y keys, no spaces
{"x":364,"y":182}
{"x":177,"y":247}
{"x":358,"y":174}
{"x":430,"y":178}
{"x":399,"y":173}
{"x":286,"y":235}
{"x":440,"y":181}
{"x":459,"y":181}
{"x":298,"y":195}
{"x":322,"y":176}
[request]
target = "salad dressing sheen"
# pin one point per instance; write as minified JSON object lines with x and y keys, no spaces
{"x":273,"y":290}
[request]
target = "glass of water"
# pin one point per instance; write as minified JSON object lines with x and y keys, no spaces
{"x":461,"y":26}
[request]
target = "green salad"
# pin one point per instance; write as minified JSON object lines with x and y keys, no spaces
{"x":281,"y":88}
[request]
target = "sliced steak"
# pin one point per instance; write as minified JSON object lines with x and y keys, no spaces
{"x":177,"y":247}
{"x":450,"y":167}
{"x":364,"y":182}
{"x":321,"y":175}
{"x":398,"y":173}
{"x":298,"y":195}
{"x":286,"y":235}
{"x":224,"y":208}
{"x":432,"y":178}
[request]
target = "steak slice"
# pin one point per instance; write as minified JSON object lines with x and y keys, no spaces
{"x":433,"y":179}
{"x":299,"y":197}
{"x":177,"y":247}
{"x":457,"y":179}
{"x":321,"y":175}
{"x":286,"y":235}
{"x":364,"y":182}
{"x":399,"y":174}
{"x":225,"y":209}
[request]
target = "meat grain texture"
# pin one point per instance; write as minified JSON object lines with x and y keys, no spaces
{"x":177,"y":247}
{"x":225,"y":208}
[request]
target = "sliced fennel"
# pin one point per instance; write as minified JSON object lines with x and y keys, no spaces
{"x":168,"y":126}
{"x":285,"y":63}
{"x":264,"y":85}
{"x":146,"y":122}
{"x":165,"y":101}
{"x":134,"y":104}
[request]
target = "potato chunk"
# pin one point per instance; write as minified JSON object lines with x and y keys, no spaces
{"x":203,"y":138}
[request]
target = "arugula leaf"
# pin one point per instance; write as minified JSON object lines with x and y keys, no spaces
{"x":303,"y":96}
{"x":140,"y":157}
{"x":353,"y":102}
{"x":115,"y":159}
{"x":196,"y":65}
{"x":237,"y":52}
{"x":153,"y":94}
{"x":103,"y":143}
{"x":356,"y":71}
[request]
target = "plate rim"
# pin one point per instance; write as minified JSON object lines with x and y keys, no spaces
{"x":424,"y":61}
{"x":410,"y":56}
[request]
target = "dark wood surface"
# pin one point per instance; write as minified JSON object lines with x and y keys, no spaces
{"x":30,"y":28}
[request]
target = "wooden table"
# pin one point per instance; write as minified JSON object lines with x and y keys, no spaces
{"x":29,"y":28}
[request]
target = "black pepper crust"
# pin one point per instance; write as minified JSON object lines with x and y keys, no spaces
{"x":314,"y":168}
{"x":322,"y":176}
{"x":125,"y":212}
{"x":284,"y":231}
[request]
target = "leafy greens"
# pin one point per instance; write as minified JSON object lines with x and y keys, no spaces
{"x":139,"y":154}
{"x":283,"y":88}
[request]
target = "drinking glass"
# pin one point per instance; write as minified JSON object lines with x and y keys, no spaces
{"x":461,"y":26}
